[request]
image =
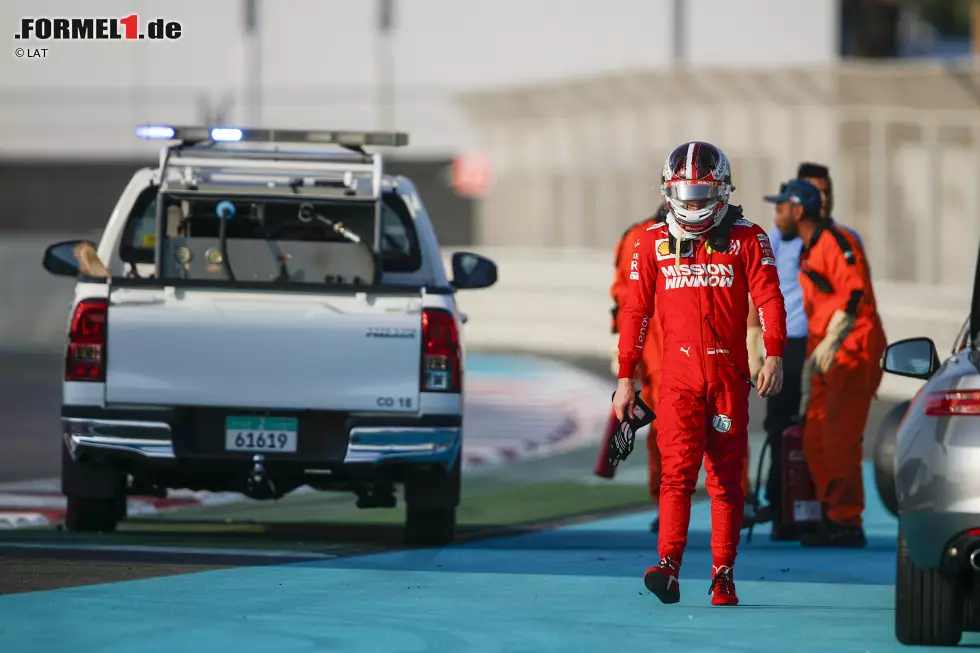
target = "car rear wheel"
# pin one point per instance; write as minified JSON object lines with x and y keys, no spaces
{"x":87,"y":515}
{"x":929,"y":605}
{"x":884,"y":456}
{"x":971,"y":611}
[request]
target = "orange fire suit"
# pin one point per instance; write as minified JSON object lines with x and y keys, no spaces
{"x":834,"y":275}
{"x":648,"y":371}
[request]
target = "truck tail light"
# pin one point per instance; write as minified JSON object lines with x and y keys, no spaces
{"x":85,"y":358}
{"x":440,"y":352}
{"x":952,"y":403}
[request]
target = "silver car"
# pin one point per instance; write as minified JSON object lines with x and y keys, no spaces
{"x":927,"y":469}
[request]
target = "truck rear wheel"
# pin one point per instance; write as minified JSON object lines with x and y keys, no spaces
{"x":929,"y":605}
{"x":88,"y":515}
{"x":430,"y":526}
{"x":96,"y":495}
{"x":431,"y":497}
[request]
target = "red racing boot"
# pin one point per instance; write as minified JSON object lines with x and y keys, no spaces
{"x":662,"y":580}
{"x":722,"y":588}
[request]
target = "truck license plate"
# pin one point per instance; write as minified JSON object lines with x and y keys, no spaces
{"x":261,"y":434}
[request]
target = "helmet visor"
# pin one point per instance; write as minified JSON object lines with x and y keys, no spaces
{"x":692,"y":195}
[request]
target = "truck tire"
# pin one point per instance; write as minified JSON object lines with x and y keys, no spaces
{"x":929,"y":605}
{"x":430,"y":526}
{"x":431,"y":498}
{"x":884,"y":456}
{"x":88,"y":515}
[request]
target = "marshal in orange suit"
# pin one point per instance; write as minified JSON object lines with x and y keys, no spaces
{"x":842,"y":372}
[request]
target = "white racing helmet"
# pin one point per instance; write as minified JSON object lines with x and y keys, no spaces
{"x":697,"y":184}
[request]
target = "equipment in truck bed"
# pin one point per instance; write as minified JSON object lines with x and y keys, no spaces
{"x":254,"y":169}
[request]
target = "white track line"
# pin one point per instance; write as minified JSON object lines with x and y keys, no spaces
{"x":10,"y":520}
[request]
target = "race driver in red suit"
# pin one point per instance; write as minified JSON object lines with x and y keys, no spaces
{"x":697,"y":271}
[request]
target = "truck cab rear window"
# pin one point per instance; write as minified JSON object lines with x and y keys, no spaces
{"x":276,"y":221}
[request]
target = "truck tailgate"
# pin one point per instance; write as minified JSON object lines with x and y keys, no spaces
{"x":263,"y":350}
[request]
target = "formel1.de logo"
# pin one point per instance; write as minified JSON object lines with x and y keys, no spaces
{"x":97,"y":29}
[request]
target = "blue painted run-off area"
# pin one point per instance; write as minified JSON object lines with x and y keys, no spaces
{"x":521,"y":366}
{"x":577,"y":588}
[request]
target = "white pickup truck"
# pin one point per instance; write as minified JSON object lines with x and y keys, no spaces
{"x":273,"y":311}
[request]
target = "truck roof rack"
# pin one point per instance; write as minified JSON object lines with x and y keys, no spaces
{"x":228,"y":161}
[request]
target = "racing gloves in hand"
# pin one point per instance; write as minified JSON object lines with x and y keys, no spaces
{"x":841,"y":324}
{"x":753,"y":343}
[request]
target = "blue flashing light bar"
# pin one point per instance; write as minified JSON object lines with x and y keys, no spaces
{"x":155,"y":132}
{"x":226,"y":134}
{"x":235,"y":134}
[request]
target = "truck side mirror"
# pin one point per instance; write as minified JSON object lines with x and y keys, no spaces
{"x":59,"y":258}
{"x":472,"y":271}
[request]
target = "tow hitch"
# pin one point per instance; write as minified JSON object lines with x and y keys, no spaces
{"x":378,"y":495}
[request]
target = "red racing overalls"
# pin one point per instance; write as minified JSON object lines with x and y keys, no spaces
{"x":702,"y":307}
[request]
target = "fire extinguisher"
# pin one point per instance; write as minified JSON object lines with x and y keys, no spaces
{"x":800,"y":510}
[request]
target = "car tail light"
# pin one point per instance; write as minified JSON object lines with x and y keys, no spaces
{"x":973,"y":532}
{"x":440,"y":352}
{"x":953,"y":402}
{"x":85,"y":358}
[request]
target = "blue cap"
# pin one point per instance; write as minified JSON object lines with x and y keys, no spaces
{"x":798,"y":192}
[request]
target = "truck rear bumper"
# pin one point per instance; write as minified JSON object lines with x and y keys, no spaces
{"x":153,"y":440}
{"x":378,"y":444}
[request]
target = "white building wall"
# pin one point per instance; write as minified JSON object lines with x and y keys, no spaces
{"x":319,"y":61}
{"x":901,"y":173}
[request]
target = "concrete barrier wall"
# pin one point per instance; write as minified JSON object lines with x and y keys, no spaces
{"x":557,"y":301}
{"x":550,"y":301}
